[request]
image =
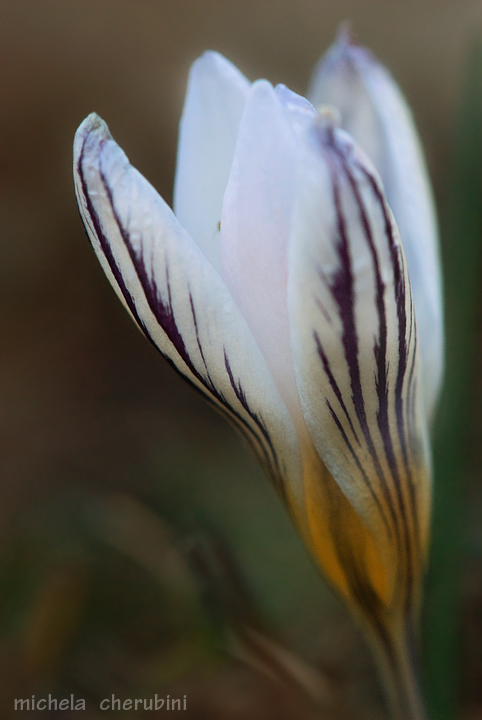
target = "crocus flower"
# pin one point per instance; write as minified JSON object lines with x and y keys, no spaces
{"x":279,"y":288}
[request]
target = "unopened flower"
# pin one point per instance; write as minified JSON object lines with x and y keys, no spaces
{"x":279,"y":288}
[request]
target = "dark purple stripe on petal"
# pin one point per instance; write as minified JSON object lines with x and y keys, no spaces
{"x":163,"y":312}
{"x":161,"y":309}
{"x":241,"y":395}
{"x":323,"y":311}
{"x":400,"y":300}
{"x":358,"y":464}
{"x":198,"y":339}
{"x":380,"y":347}
{"x":333,"y":383}
{"x":400,"y":291}
{"x":343,"y":291}
{"x":106,"y":248}
{"x":97,"y":230}
{"x":402,"y":409}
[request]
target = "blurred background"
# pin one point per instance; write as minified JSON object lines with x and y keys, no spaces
{"x":142,"y":550}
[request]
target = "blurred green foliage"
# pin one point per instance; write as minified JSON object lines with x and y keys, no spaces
{"x":99,"y":596}
{"x":461,"y":224}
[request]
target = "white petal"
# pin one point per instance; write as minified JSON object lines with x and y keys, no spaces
{"x":178,"y":299}
{"x":215,"y":100}
{"x":375,"y":113}
{"x":255,"y":225}
{"x":301,"y":113}
{"x":354,"y":341}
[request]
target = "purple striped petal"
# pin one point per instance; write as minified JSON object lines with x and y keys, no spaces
{"x":354,"y":342}
{"x":374,"y":112}
{"x":178,"y":299}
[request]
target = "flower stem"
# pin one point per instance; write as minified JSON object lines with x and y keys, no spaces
{"x":400,"y":671}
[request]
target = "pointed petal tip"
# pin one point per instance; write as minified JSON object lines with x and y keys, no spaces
{"x":336,"y":60}
{"x":344,"y":35}
{"x":346,"y":48}
{"x":93,"y":125}
{"x":213,"y":56}
{"x":346,"y":38}
{"x":292,"y":99}
{"x":213,"y":63}
{"x":262,"y":87}
{"x":210,"y":58}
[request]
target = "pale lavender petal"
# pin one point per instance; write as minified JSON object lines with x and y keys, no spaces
{"x":256,"y":222}
{"x":215,"y":101}
{"x":300,"y":111}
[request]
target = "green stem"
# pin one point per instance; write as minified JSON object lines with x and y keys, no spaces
{"x":399,"y":666}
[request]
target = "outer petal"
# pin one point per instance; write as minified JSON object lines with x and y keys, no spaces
{"x":376,"y":115}
{"x":354,"y":344}
{"x":215,"y":100}
{"x":255,"y":226}
{"x":178,"y":299}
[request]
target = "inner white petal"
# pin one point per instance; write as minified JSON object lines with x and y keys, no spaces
{"x":299,"y":110}
{"x":256,"y":224}
{"x":213,"y":108}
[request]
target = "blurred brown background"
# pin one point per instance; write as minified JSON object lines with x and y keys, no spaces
{"x":96,"y":431}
